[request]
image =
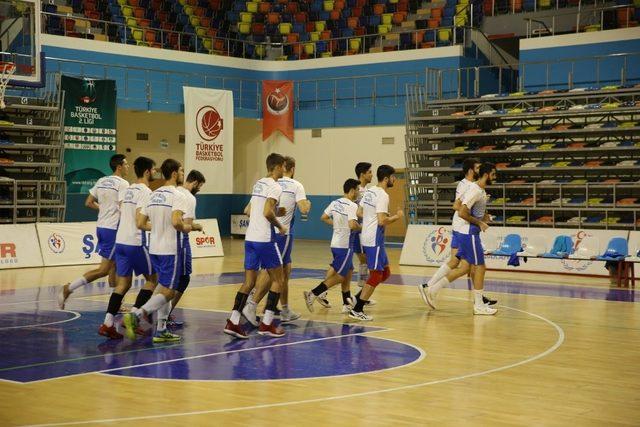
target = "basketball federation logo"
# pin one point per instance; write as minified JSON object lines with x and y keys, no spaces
{"x":88,"y":91}
{"x":56,"y":243}
{"x":209,"y":123}
{"x":277,"y":102}
{"x":435,"y":245}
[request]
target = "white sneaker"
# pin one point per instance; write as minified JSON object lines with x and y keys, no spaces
{"x":360,"y":315}
{"x":484,"y":309}
{"x":63,"y":295}
{"x":323,"y":301}
{"x":249,"y":313}
{"x":289,"y":315}
{"x":422,"y":288}
{"x":309,"y":298}
{"x":346,"y":308}
{"x":431,"y":298}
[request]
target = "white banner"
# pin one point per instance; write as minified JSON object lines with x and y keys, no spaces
{"x":239,"y":224}
{"x":207,"y":244}
{"x":208,"y":126}
{"x":68,"y":243}
{"x":429,"y":245}
{"x":19,"y":246}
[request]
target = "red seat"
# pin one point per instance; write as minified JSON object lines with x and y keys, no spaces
{"x":69,"y":25}
{"x":212,"y":32}
{"x":301,"y":17}
{"x":378,"y":9}
{"x":134,"y":3}
{"x":162,"y":16}
{"x":325,"y":35}
{"x":399,"y":18}
{"x":353,"y":22}
{"x":150,"y":36}
{"x":168,"y":26}
{"x":138,"y":12}
{"x":264,"y":7}
{"x":310,"y":27}
{"x":293,"y":38}
{"x":200,"y":11}
{"x":92,"y":14}
{"x":218,"y":44}
{"x":338,"y":5}
{"x":291,"y":7}
{"x":335,"y":15}
{"x":90,"y":5}
{"x":257,"y":28}
{"x":205,"y":21}
{"x":273,"y":18}
{"x":360,"y":31}
{"x":356,"y":12}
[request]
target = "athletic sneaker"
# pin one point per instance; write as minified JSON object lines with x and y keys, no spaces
{"x":423,"y":292}
{"x":235,"y":330}
{"x":489,"y":301}
{"x":249,"y":313}
{"x":109,"y":332}
{"x":431,"y":298}
{"x":165,"y":336}
{"x":270,"y":330}
{"x":346,"y":308}
{"x":309,"y":298}
{"x":484,"y":310}
{"x":63,"y":295}
{"x":288,"y":315}
{"x":130,"y":322}
{"x":173,"y":323}
{"x":323,"y":301}
{"x":360,"y":315}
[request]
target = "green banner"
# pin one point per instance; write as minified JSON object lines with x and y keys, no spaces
{"x":89,"y":131}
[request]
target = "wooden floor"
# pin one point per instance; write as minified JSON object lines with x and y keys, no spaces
{"x":544,"y":359}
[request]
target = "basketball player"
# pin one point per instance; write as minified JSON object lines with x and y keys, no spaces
{"x":104,"y":197}
{"x":261,"y":250}
{"x":374,"y":208}
{"x":470,"y":252}
{"x":163,"y":215}
{"x":342,"y":215}
{"x":293,"y":196}
{"x":470,"y":169}
{"x":132,"y":255}
{"x":191,"y":187}
{"x":365,"y":176}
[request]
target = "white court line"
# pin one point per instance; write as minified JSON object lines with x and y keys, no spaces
{"x":76,"y":315}
{"x":27,"y":302}
{"x":548,"y":351}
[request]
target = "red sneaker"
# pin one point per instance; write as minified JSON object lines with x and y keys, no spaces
{"x":109,"y":332}
{"x":235,"y":330}
{"x":270,"y":330}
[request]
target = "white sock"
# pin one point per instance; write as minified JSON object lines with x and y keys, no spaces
{"x":268,"y":317}
{"x":477,"y":297}
{"x":444,"y":282}
{"x":163,"y":314}
{"x":235,"y":317}
{"x":108,"y":320}
{"x":78,"y":283}
{"x":154,"y":303}
{"x":442,"y":271}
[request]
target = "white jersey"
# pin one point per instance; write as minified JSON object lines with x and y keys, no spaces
{"x":164,"y":238}
{"x":190,"y":205}
{"x":341,"y":211}
{"x":135,"y":197}
{"x":259,"y":229}
{"x":292,"y":193}
{"x":462,"y":187}
{"x":108,"y":191}
{"x":361,"y":191}
{"x":475,"y":198}
{"x":374,"y":201}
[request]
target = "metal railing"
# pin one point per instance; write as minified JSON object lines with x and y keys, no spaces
{"x":546,"y":24}
{"x":512,"y":7}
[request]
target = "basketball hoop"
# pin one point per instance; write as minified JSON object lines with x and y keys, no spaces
{"x":6,"y":71}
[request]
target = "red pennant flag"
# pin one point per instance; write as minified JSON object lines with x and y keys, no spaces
{"x":277,"y":108}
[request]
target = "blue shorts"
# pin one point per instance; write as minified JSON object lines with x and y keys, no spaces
{"x":342,"y":260}
{"x":455,"y":240}
{"x":285,"y":244}
{"x":106,"y":242}
{"x":376,"y":257}
{"x":259,"y":255}
{"x":470,"y":249}
{"x":357,"y":246}
{"x":187,"y":267}
{"x":132,"y":259}
{"x":169,"y":269}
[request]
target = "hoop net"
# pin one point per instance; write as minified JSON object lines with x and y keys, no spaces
{"x":6,"y":71}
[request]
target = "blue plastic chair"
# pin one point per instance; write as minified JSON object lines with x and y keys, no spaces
{"x":511,"y":244}
{"x":617,"y":250}
{"x":562,"y":246}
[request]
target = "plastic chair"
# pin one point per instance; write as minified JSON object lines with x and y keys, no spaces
{"x":562,"y":246}
{"x":587,"y":249}
{"x":534,"y":247}
{"x":511,"y":244}
{"x":617,"y":250}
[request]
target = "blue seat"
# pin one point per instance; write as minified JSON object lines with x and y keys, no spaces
{"x":561,"y":248}
{"x":511,"y":244}
{"x":617,"y":250}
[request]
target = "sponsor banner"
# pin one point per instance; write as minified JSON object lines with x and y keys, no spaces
{"x":68,"y":243}
{"x":429,"y":245}
{"x":19,"y":246}
{"x":89,"y":131}
{"x":277,"y":108}
{"x":239,"y":224}
{"x":207,"y":244}
{"x":208,"y":123}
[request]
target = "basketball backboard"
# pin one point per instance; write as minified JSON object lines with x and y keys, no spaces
{"x":20,"y":40}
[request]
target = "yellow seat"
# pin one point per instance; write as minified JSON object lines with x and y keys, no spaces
{"x":592,"y":28}
{"x":182,"y":2}
{"x":460,"y":7}
{"x":354,"y":44}
{"x":207,"y":43}
{"x":137,"y":34}
{"x":544,"y":3}
{"x":246,"y":17}
{"x":141,"y":43}
{"x":188,"y":10}
{"x":314,"y":36}
{"x":386,"y":18}
{"x":122,"y":2}
{"x":260,"y":51}
{"x":393,"y":1}
{"x":194,"y":21}
{"x":328,"y":5}
{"x":309,"y":48}
{"x":132,"y":22}
{"x":127,"y":11}
{"x":327,"y":54}
{"x":201,"y":31}
{"x":320,"y":26}
{"x":383,"y":29}
{"x":444,"y":35}
{"x":244,"y":27}
{"x":282,"y":58}
{"x":252,"y":7}
{"x":284,"y":28}
{"x":460,"y":20}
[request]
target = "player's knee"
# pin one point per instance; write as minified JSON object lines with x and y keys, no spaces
{"x":184,"y":282}
{"x":375,"y":278}
{"x":386,"y":273}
